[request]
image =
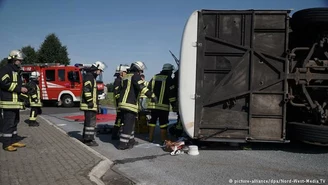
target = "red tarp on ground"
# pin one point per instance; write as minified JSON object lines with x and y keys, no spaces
{"x":100,"y":117}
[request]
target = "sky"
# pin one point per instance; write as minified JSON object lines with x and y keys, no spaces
{"x":115,"y":32}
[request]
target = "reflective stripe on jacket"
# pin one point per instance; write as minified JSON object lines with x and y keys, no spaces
{"x":34,"y":94}
{"x":163,"y":88}
{"x":132,"y":86}
{"x":117,"y":90}
{"x":89,"y":93}
{"x":10,"y":84}
{"x":142,"y":95}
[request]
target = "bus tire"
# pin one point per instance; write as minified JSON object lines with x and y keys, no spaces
{"x":308,"y":133}
{"x":315,"y":19}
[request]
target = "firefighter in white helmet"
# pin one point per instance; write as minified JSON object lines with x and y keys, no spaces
{"x":132,"y":86}
{"x":89,"y":102}
{"x":120,"y":72}
{"x":163,"y":86}
{"x":34,"y":98}
{"x":11,"y":87}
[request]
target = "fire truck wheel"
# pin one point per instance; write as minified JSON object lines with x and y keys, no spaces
{"x":67,"y":101}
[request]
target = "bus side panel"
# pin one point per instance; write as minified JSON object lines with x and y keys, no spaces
{"x":240,"y":83}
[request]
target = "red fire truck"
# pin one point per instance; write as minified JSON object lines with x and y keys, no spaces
{"x":61,"y":83}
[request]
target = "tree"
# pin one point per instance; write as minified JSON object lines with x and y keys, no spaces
{"x":31,"y":56}
{"x":51,"y":51}
{"x":110,"y":87}
{"x":3,"y":62}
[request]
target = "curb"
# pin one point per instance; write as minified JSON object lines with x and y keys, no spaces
{"x":100,"y":169}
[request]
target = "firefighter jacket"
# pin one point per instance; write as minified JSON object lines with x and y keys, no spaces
{"x":34,"y":94}
{"x":10,"y":84}
{"x":142,"y":95}
{"x":89,"y":98}
{"x":117,"y":89}
{"x":132,"y":86}
{"x":163,"y":88}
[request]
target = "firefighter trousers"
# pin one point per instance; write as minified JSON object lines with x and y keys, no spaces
{"x":34,"y":113}
{"x":10,"y":119}
{"x":129,"y":119}
{"x":161,"y":115}
{"x":117,"y":125}
{"x":89,"y":129}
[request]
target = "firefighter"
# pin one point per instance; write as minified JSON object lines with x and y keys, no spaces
{"x":163,"y":87}
{"x":34,"y":98}
{"x":177,"y":129}
{"x":121,"y":71}
{"x":11,"y":87}
{"x":143,"y":97}
{"x":132,"y":86}
{"x":89,"y":102}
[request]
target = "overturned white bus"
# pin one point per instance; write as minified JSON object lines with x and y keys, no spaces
{"x":255,"y":76}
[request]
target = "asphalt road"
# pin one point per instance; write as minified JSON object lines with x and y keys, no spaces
{"x":217,"y":163}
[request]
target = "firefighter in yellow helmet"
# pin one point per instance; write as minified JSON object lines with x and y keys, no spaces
{"x":120,"y":72}
{"x":11,"y":88}
{"x":132,"y":86}
{"x":89,"y":102}
{"x":34,"y":98}
{"x":163,"y":86}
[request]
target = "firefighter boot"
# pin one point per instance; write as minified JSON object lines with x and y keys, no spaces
{"x":18,"y":145}
{"x":132,"y":142}
{"x":32,"y":123}
{"x":163,"y":135}
{"x":115,"y":133}
{"x":123,"y":146}
{"x":10,"y":148}
{"x":90,"y":143}
{"x":151,"y":133}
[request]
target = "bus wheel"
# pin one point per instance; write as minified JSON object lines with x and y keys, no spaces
{"x":67,"y":101}
{"x":308,"y":133}
{"x":314,"y":19}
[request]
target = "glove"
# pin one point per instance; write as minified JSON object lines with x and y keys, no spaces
{"x":90,"y":105}
{"x":154,"y":99}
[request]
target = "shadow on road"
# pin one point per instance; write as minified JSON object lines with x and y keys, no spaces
{"x":75,"y":134}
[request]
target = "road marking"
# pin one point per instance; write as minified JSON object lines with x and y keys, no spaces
{"x":60,"y":125}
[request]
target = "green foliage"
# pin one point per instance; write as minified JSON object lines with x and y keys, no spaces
{"x":109,"y":100}
{"x":31,"y":56}
{"x":52,"y":51}
{"x":3,"y":62}
{"x":110,"y":87}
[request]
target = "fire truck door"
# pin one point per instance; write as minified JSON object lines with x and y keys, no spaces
{"x":75,"y":82}
{"x":52,"y":86}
